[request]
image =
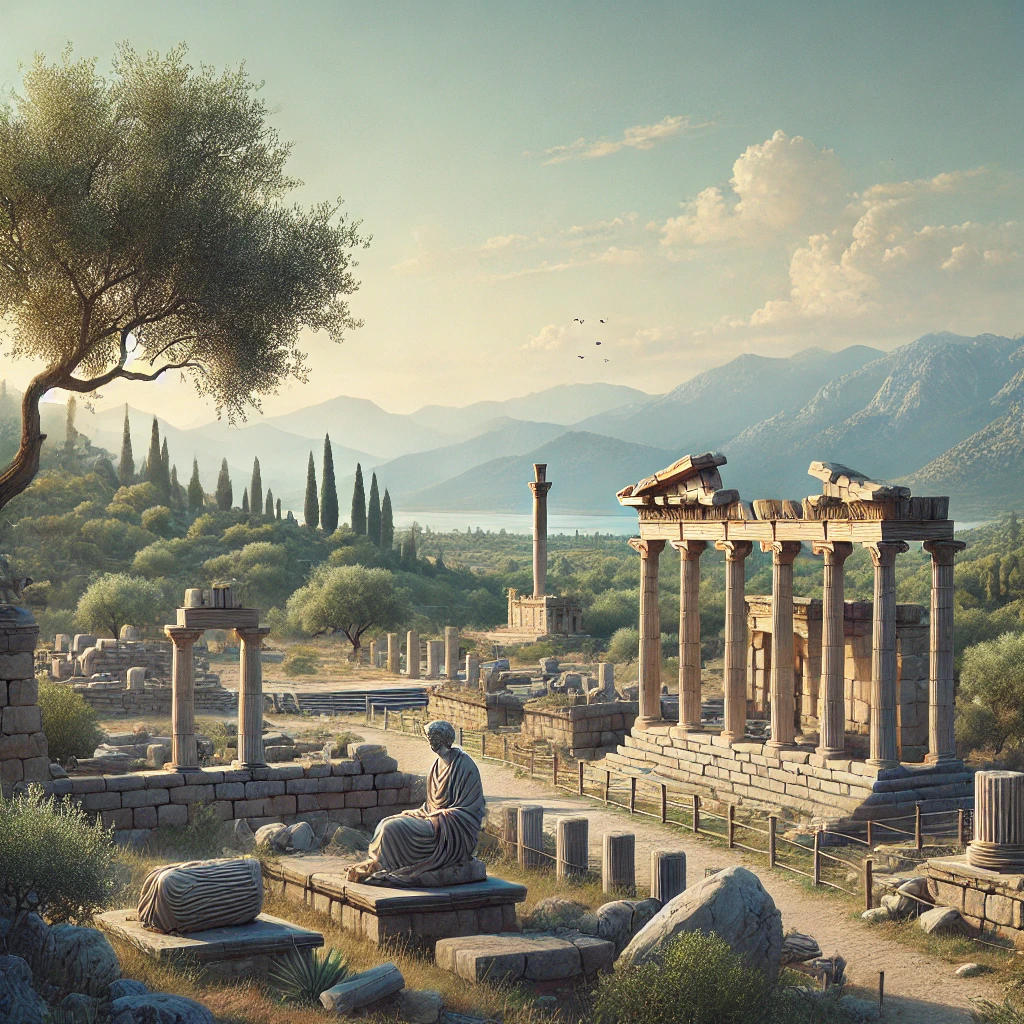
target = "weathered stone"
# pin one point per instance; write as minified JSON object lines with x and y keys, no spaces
{"x":199,"y":895}
{"x":732,"y":903}
{"x":301,"y":836}
{"x":942,"y":921}
{"x":83,"y":961}
{"x":360,"y":990}
{"x":19,"y":1002}
{"x":419,"y":1006}
{"x":555,"y":912}
{"x":798,"y":948}
{"x":158,"y":1008}
{"x":899,"y":905}
{"x":77,"y":1008}
{"x":876,"y":914}
{"x":971,"y":970}
{"x":615,"y":923}
{"x":509,"y":958}
{"x":127,"y":987}
{"x":348,"y":840}
{"x":272,"y":837}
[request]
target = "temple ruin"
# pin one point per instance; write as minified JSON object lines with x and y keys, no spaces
{"x":809,"y":764}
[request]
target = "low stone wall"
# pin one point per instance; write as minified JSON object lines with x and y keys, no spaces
{"x":23,"y":751}
{"x":988,"y":900}
{"x":587,"y":730}
{"x":357,"y":791}
{"x":111,"y":700}
{"x":478,"y":712}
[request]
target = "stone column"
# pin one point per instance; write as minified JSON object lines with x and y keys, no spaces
{"x":394,"y":655}
{"x":782,"y":682}
{"x":650,"y":631}
{"x":250,"y":697}
{"x":884,"y":751}
{"x":572,"y":847}
{"x":435,"y":651}
{"x":412,"y":654}
{"x":473,"y":671}
{"x":941,"y":744}
{"x":832,"y":702}
{"x":373,"y":653}
{"x":998,"y":822}
{"x":540,"y":488}
{"x":689,"y":631}
{"x":734,"y":727}
{"x":606,"y":679}
{"x":184,"y":752}
{"x":668,"y":874}
{"x":451,"y":653}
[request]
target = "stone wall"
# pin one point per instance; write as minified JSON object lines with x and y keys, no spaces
{"x":990,"y":901}
{"x":476,"y":711}
{"x":587,"y":730}
{"x":23,"y":753}
{"x":111,"y":699}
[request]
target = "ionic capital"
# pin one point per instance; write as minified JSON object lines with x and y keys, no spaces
{"x":182,"y":636}
{"x":647,"y":547}
{"x":835,"y":551}
{"x":735,"y":550}
{"x":883,"y":552}
{"x":943,"y":551}
{"x":252,"y":635}
{"x":784,"y":552}
{"x":539,"y":488}
{"x":690,"y":550}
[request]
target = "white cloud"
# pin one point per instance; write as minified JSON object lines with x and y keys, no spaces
{"x":643,"y":136}
{"x":548,"y":339}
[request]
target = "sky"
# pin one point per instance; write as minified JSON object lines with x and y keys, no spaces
{"x":705,"y":178}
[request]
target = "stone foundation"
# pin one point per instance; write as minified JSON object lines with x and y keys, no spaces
{"x":112,"y":699}
{"x":476,"y":711}
{"x":587,"y":730}
{"x":794,"y":783}
{"x":23,"y":751}
{"x":990,"y":902}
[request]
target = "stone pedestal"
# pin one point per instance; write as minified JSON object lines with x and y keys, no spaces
{"x":435,"y":652}
{"x":998,"y":822}
{"x":668,"y":873}
{"x":618,"y":862}
{"x":23,"y":752}
{"x":572,"y":847}
{"x":531,"y":835}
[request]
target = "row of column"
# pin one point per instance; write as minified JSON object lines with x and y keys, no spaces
{"x":884,"y":750}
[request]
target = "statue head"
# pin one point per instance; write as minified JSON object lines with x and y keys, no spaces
{"x":440,"y":735}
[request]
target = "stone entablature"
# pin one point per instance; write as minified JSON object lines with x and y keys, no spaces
{"x":588,"y":731}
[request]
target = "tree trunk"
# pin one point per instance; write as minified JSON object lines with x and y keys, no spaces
{"x":24,"y":466}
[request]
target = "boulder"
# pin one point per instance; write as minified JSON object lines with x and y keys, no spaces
{"x":899,"y":905}
{"x":32,"y":941}
{"x":971,"y":970}
{"x":158,"y":1008}
{"x":272,"y":837}
{"x":876,"y":914}
{"x":19,"y":1002}
{"x":358,"y":990}
{"x":127,"y":987}
{"x":943,"y":921}
{"x":733,"y":904}
{"x":83,"y":961}
{"x":615,"y":923}
{"x":916,"y":888}
{"x":301,"y":836}
{"x":76,"y":1008}
{"x":419,"y":1006}
{"x":798,"y":949}
{"x":348,"y":840}
{"x":555,"y":912}
{"x":242,"y":836}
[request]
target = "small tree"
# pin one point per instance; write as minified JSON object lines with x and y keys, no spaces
{"x":278,"y":509}
{"x":119,"y":599}
{"x":387,"y":523}
{"x":70,"y":724}
{"x":196,"y":497}
{"x":153,"y":458}
{"x":358,"y":503}
{"x":328,"y":491}
{"x":245,"y":500}
{"x":268,"y":510}
{"x":126,"y":465}
{"x":990,"y":705}
{"x":225,"y":494}
{"x":373,"y":512}
{"x":624,"y":646}
{"x":311,"y":506}
{"x":256,"y":487}
{"x":348,"y":599}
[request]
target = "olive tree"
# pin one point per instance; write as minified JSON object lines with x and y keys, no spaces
{"x":118,"y":599}
{"x":990,"y":704}
{"x":144,"y":229}
{"x":348,"y":599}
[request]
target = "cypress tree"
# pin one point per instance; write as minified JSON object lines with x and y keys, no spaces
{"x":225,"y":495}
{"x":177,"y":494}
{"x":268,"y":511}
{"x":195,"y":490}
{"x":310,"y":506}
{"x":387,"y":524}
{"x":245,"y":499}
{"x":328,"y":491}
{"x":409,"y":548}
{"x":359,"y":503}
{"x":126,"y":466}
{"x":256,"y":488}
{"x":373,"y":513}
{"x":154,"y":459}
{"x":165,"y":484}
{"x":278,"y":508}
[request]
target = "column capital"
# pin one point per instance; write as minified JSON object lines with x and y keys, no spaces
{"x":883,"y":552}
{"x":944,"y":551}
{"x":835,"y":551}
{"x":251,"y":634}
{"x":646,"y":546}
{"x":182,"y":636}
{"x":540,"y":488}
{"x":735,"y":550}
{"x":784,"y":552}
{"x":690,"y":549}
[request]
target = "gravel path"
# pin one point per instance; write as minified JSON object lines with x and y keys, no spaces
{"x":919,"y":989}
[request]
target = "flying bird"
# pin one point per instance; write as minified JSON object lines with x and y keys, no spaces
{"x":577,"y":320}
{"x":604,"y":321}
{"x":597,"y":343}
{"x":581,"y":357}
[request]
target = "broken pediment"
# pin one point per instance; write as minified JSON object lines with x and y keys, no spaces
{"x":691,"y":480}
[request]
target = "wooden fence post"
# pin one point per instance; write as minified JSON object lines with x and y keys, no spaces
{"x":918,"y":836}
{"x":773,"y":824}
{"x":532,"y":765}
{"x":696,"y":813}
{"x":632,"y":794}
{"x":607,"y":783}
{"x":385,"y":718}
{"x":618,"y":863}
{"x":869,"y":883}
{"x":664,"y":803}
{"x":572,"y":847}
{"x":366,"y":713}
{"x":731,"y":826}
{"x":817,"y":856}
{"x":504,"y":749}
{"x":581,"y":767}
{"x":870,"y":843}
{"x":460,"y":735}
{"x":554,"y":768}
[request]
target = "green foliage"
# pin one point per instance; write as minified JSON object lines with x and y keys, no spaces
{"x":311,"y":505}
{"x":53,"y":860}
{"x":358,"y":520}
{"x":301,"y":979}
{"x":224,"y":495}
{"x":118,"y":599}
{"x":196,"y":497}
{"x":991,"y":698}
{"x":986,"y":1011}
{"x":126,"y":464}
{"x":624,"y":646}
{"x":373,"y":513}
{"x":245,"y":500}
{"x":268,"y":509}
{"x":387,"y":523}
{"x":158,"y":520}
{"x":137,"y":496}
{"x":302,"y":661}
{"x":256,"y":488}
{"x":328,"y":491}
{"x":70,"y":724}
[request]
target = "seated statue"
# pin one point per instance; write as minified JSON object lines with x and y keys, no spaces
{"x":434,"y":844}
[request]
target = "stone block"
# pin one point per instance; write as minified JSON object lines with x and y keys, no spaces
{"x":345,"y":767}
{"x":36,"y":769}
{"x":193,"y":794}
{"x":390,"y":780}
{"x":255,"y":790}
{"x":304,"y":786}
{"x":163,"y":780}
{"x":147,"y":797}
{"x":329,"y":801}
{"x":23,"y":692}
{"x":366,"y":798}
{"x":331,"y":784}
{"x":123,"y":783}
{"x":999,"y":909}
{"x":17,"y":666}
{"x":362,"y":782}
{"x":172,"y":814}
{"x":284,"y":804}
{"x":101,"y":801}
{"x":17,"y":747}
{"x":974,"y":902}
{"x":145,"y":817}
{"x":378,"y":764}
{"x":20,"y":719}
{"x":229,"y":790}
{"x":509,"y":958}
{"x":118,"y":819}
{"x":252,"y":808}
{"x":89,"y":784}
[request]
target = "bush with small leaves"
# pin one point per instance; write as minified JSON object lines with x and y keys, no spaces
{"x":69,"y":723}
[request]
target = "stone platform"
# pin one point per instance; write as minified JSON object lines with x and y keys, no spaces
{"x":990,"y":902}
{"x":243,"y":951}
{"x":794,"y":783}
{"x":378,"y":913}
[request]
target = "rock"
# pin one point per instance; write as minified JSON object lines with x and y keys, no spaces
{"x":272,"y":837}
{"x":19,"y":1002}
{"x":899,"y":906}
{"x":554,"y":912}
{"x":76,"y":1008}
{"x":367,"y":750}
{"x":56,"y":772}
{"x":917,"y":888}
{"x":615,"y":923}
{"x":943,"y":921}
{"x":419,"y":1005}
{"x":32,"y":941}
{"x":732,"y":903}
{"x":861,"y":1011}
{"x":798,"y":948}
{"x":127,"y":987}
{"x":971,"y":970}
{"x":348,"y":840}
{"x":83,"y":961}
{"x":876,"y":914}
{"x":158,"y":1008}
{"x":301,"y":836}
{"x":359,"y":990}
{"x":643,"y":911}
{"x":242,"y":836}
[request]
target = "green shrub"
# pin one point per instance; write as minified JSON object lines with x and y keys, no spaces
{"x":201,"y":839}
{"x":301,"y":978}
{"x":53,"y":859}
{"x":68,"y":721}
{"x":301,"y":661}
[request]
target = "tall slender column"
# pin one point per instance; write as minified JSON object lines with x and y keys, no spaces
{"x":250,"y":697}
{"x":884,"y":749}
{"x":394,"y":654}
{"x":412,"y":654}
{"x":689,"y":631}
{"x":650,"y":631}
{"x":941,"y":744}
{"x":783,"y":682}
{"x":735,"y":723}
{"x":184,"y":752}
{"x":540,"y":488}
{"x":451,"y":653}
{"x":832,"y":701}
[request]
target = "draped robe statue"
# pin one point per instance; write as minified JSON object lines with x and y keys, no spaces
{"x":434,"y":844}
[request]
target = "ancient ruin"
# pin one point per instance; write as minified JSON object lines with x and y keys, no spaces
{"x":806,"y":765}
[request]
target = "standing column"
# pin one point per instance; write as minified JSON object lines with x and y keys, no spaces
{"x":184,"y":752}
{"x":394,"y":655}
{"x":689,"y":631}
{"x":650,"y":631}
{"x":832,"y":703}
{"x":782,"y":684}
{"x":884,"y":748}
{"x":540,"y":488}
{"x":734,"y":726}
{"x":250,"y":697}
{"x":412,"y":654}
{"x":451,"y":653}
{"x":941,"y":744}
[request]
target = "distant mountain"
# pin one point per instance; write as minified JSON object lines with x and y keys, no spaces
{"x":410,"y":473}
{"x":564,"y":404}
{"x":586,"y":470}
{"x":718,"y":404}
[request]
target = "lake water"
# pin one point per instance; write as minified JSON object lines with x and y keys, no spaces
{"x":517,"y":522}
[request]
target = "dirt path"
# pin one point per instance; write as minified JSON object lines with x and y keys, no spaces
{"x":919,"y":989}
